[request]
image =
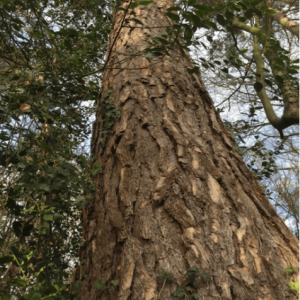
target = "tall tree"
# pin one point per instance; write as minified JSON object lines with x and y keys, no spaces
{"x":176,"y":213}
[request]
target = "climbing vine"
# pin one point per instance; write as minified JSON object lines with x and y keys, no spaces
{"x":188,"y":289}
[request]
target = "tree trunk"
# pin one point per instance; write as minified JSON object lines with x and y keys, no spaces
{"x":174,"y":193}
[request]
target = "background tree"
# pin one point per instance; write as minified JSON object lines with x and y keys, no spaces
{"x":50,"y":54}
{"x":236,"y":82}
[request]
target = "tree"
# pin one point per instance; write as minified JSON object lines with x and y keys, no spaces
{"x":286,"y":188}
{"x":175,"y":201}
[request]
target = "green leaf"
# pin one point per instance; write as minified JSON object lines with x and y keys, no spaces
{"x":46,"y":147}
{"x":194,"y":296}
{"x":43,"y":187}
{"x":279,"y":61}
{"x":27,"y":229}
{"x":99,"y":285}
{"x":292,"y":71}
{"x":144,"y":3}
{"x":191,"y":17}
{"x":229,"y":15}
{"x":114,"y":282}
{"x":79,"y":199}
{"x":172,"y":16}
{"x":205,"y":276}
{"x":32,"y":296}
{"x":77,"y":286}
{"x":19,"y":282}
{"x":203,"y":9}
{"x":5,"y":296}
{"x":268,"y":82}
{"x":256,"y":2}
{"x":48,"y":217}
{"x":279,"y":79}
{"x":22,"y":165}
{"x":150,"y":55}
{"x":162,"y":41}
{"x":57,"y":216}
{"x":209,"y":38}
{"x":221,"y":20}
{"x":225,"y":70}
{"x":258,"y":12}
{"x":137,"y":21}
{"x":243,"y":51}
{"x":164,"y":275}
{"x":59,"y":287}
{"x":271,"y":12}
{"x":193,"y":70}
{"x":289,"y":271}
{"x":179,"y":292}
{"x":243,"y":5}
{"x":133,"y":5}
{"x":4,"y":136}
{"x":294,"y":66}
{"x":294,"y":286}
{"x":6,"y":259}
{"x":249,"y":13}
{"x":193,"y":269}
{"x":210,"y":24}
{"x":97,"y":168}
{"x":17,"y":227}
{"x":237,"y":7}
{"x":258,"y":86}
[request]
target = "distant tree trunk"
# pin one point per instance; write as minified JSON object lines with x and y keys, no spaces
{"x":174,"y":193}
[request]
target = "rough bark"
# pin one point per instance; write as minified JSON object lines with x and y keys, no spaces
{"x":174,"y":193}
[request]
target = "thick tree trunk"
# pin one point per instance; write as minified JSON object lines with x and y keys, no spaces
{"x":174,"y":193}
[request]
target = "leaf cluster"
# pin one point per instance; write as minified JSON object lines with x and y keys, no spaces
{"x":50,"y":56}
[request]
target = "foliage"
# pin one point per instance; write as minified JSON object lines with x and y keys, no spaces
{"x":286,"y":196}
{"x":111,"y":114}
{"x":164,"y":276}
{"x":289,"y":271}
{"x":188,"y":289}
{"x":294,"y":286}
{"x":50,"y":56}
{"x":99,"y":284}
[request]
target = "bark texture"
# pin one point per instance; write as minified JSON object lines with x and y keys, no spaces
{"x":174,"y":193}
